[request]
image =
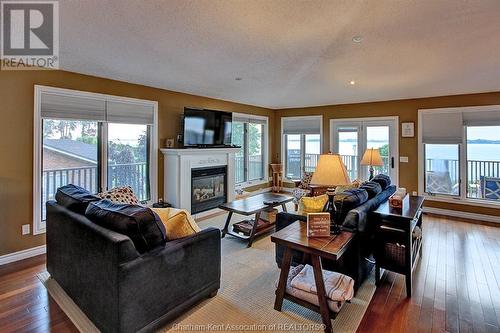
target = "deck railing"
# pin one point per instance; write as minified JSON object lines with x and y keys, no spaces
{"x":133,"y":174}
{"x":255,"y":168}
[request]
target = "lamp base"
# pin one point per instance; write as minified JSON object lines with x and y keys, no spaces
{"x":334,"y":227}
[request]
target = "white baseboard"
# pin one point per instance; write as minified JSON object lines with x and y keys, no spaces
{"x":23,"y":254}
{"x":465,"y":215}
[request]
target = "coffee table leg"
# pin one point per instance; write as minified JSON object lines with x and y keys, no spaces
{"x":226,"y":226}
{"x":285,"y":269}
{"x":320,"y":288}
{"x":283,"y":206}
{"x":254,"y":228}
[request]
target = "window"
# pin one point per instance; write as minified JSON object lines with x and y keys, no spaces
{"x":93,"y":141}
{"x":442,"y":170}
{"x":461,"y":153}
{"x":302,"y":144}
{"x":483,"y":162}
{"x":249,"y":132}
{"x":128,"y":158}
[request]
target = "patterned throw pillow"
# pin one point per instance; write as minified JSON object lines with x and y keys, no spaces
{"x":342,"y":188}
{"x":122,"y":194}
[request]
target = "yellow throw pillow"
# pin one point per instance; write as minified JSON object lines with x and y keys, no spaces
{"x":178,"y":222}
{"x":312,"y":204}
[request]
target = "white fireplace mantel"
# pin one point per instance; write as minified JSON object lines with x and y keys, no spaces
{"x":178,"y":164}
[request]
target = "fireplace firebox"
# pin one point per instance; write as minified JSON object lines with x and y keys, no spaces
{"x":208,"y":188}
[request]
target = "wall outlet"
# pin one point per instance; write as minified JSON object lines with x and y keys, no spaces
{"x":414,"y":193}
{"x":26,"y":229}
{"x":403,"y":159}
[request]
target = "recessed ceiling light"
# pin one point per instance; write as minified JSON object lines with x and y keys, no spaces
{"x":238,"y":78}
{"x":357,"y":39}
{"x":352,"y":82}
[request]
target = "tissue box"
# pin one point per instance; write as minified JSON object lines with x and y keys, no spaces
{"x":396,"y":201}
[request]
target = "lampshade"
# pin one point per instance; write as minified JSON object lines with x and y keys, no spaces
{"x":330,"y":171}
{"x":372,"y":157}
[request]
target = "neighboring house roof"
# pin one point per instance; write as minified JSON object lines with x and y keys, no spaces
{"x":73,"y":148}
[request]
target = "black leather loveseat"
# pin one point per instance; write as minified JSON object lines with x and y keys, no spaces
{"x":119,"y":288}
{"x":357,"y":262}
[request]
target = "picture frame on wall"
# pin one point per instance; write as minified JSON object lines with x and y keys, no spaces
{"x":408,"y":129}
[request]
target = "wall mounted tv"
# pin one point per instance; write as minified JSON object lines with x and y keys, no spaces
{"x":207,"y":128}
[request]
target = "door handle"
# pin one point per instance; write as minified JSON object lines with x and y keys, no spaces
{"x":392,"y":162}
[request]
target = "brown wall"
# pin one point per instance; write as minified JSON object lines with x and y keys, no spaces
{"x":16,"y":137}
{"x":407,"y":110}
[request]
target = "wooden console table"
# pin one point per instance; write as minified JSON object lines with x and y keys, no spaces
{"x":294,"y":237}
{"x":395,"y":232}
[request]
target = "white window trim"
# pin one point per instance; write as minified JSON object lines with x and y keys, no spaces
{"x":283,"y":145}
{"x":265,"y":149}
{"x":38,"y":225}
{"x":462,"y":199}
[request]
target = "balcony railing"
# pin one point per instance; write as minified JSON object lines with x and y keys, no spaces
{"x":475,"y":170}
{"x":255,"y":168}
{"x":132,"y":174}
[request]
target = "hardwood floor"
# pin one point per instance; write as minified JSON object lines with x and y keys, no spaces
{"x":456,"y":288}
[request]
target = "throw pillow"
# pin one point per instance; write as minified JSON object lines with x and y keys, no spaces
{"x":75,"y":198}
{"x":141,"y":224}
{"x":122,"y":194}
{"x":312,"y":204}
{"x":383,"y":180}
{"x":372,"y":188}
{"x":342,"y":188}
{"x":178,"y":222}
{"x":348,"y":200}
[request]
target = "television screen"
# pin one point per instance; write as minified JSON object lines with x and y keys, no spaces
{"x":207,"y":127}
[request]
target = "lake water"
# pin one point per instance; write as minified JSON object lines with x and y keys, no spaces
{"x":475,"y":152}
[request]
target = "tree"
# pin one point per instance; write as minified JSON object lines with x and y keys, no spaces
{"x":65,"y":128}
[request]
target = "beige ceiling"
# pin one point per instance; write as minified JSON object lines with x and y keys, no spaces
{"x":288,"y":53}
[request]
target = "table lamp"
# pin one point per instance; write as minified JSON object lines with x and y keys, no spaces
{"x":372,"y":158}
{"x":330,"y":172}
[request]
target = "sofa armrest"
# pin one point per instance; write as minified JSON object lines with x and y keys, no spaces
{"x":161,"y":280}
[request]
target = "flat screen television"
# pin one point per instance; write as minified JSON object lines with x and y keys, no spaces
{"x":205,"y":128}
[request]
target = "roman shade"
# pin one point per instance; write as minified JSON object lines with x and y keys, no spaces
{"x":481,"y":118}
{"x":129,"y":113}
{"x":242,"y":118}
{"x":442,"y":127}
{"x":302,"y":125}
{"x":59,"y":106}
{"x":73,"y":107}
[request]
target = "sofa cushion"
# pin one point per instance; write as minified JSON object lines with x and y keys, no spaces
{"x":141,"y":224}
{"x":312,"y":204}
{"x":342,"y":188}
{"x":348,"y":200}
{"x":383,"y":180}
{"x":121,"y":194}
{"x":372,"y":188}
{"x":75,"y":198}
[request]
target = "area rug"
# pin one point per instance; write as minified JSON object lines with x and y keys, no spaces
{"x":246,"y":298}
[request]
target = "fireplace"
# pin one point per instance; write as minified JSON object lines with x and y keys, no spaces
{"x":208,"y":188}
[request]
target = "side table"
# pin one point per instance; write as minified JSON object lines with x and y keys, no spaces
{"x":395,"y":247}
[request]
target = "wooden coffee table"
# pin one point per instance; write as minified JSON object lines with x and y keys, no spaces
{"x":294,"y":237}
{"x":253,"y":205}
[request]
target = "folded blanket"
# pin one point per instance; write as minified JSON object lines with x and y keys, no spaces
{"x":338,"y":287}
{"x":335,"y":306}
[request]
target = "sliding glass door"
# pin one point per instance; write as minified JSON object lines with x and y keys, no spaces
{"x":350,"y":138}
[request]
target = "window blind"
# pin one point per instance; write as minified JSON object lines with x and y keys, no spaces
{"x":302,"y":125}
{"x":129,"y":113}
{"x":59,"y":106}
{"x":481,"y":118}
{"x":442,"y":127}
{"x":244,"y":119}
